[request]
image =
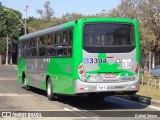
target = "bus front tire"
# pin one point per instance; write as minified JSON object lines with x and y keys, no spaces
{"x":50,"y":94}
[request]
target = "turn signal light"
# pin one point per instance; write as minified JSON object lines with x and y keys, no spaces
{"x":137,"y":66}
{"x":80,"y":66}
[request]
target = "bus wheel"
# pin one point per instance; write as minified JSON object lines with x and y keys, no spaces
{"x":50,"y":94}
{"x":25,"y":84}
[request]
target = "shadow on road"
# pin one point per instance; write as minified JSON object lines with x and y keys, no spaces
{"x":82,"y":102}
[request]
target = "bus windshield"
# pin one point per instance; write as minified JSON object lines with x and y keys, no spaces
{"x":104,"y":35}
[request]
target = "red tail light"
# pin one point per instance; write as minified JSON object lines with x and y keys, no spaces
{"x":81,"y":72}
{"x":136,"y":71}
{"x":137,"y":67}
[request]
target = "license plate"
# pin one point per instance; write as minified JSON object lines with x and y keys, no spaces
{"x":109,"y":75}
{"x":101,"y":87}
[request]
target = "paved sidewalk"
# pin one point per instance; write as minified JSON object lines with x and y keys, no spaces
{"x":8,"y":78}
{"x":8,"y":72}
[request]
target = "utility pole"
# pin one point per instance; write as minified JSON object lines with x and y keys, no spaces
{"x":26,"y":20}
{"x":150,"y":53}
{"x":7,"y":52}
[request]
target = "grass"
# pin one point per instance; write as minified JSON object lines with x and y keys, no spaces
{"x":146,"y":90}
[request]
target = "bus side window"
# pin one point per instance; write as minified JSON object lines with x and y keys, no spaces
{"x":23,"y":52}
{"x":70,"y":40}
{"x":42,"y":41}
{"x":65,"y":36}
{"x":34,"y":42}
{"x":51,"y":52}
{"x":28,"y":53}
{"x":23,"y":47}
{"x":30,"y":43}
{"x":55,"y":38}
{"x":27,"y":43}
{"x":38,"y":41}
{"x":61,"y":52}
{"x":58,"y":38}
{"x":42,"y":51}
{"x":52,"y":38}
{"x":19,"y":52}
{"x":49,"y":39}
{"x":34,"y":52}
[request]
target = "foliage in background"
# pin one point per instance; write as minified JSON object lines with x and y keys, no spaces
{"x":2,"y":45}
{"x":8,"y":24}
{"x":147,"y":12}
{"x":48,"y":13}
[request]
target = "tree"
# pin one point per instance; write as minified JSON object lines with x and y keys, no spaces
{"x":147,"y":12}
{"x":48,"y":13}
{"x":8,"y":24}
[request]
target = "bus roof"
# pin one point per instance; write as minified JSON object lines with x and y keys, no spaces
{"x":69,"y":24}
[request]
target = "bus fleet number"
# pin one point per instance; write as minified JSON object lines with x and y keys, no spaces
{"x":97,"y":60}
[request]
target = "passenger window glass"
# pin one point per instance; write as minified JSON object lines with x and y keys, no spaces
{"x":22,"y":48}
{"x":28,"y":52}
{"x":55,"y":38}
{"x":70,"y":42}
{"x":70,"y":37}
{"x":19,"y":51}
{"x":34,"y":52}
{"x":29,"y":43}
{"x":23,"y":52}
{"x":59,"y":45}
{"x":51,"y":52}
{"x":49,"y":39}
{"x":34,"y":42}
{"x":42,"y":51}
{"x":42,"y":41}
{"x":60,"y":37}
{"x":38,"y":41}
{"x":62,"y":52}
{"x":65,"y":36}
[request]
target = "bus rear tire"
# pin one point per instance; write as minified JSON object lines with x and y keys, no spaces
{"x":50,"y":94}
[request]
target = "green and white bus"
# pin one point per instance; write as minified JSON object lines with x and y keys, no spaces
{"x":93,"y":56}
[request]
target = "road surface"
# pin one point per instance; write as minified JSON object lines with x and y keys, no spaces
{"x":13,"y":97}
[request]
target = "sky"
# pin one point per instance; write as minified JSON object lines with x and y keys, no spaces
{"x":60,"y":7}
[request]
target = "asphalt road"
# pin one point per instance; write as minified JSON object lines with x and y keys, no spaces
{"x":13,"y":97}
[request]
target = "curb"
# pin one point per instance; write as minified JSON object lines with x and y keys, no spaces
{"x":155,"y":103}
{"x":143,"y":99}
{"x":8,"y":78}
